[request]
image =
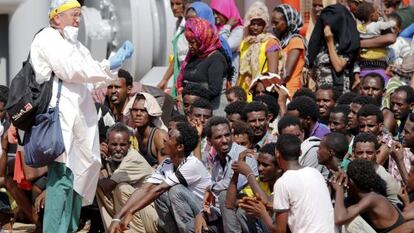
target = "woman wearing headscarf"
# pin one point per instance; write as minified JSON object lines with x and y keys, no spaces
{"x":259,"y":49}
{"x":333,"y":47}
{"x":205,"y":63}
{"x":203,"y":10}
{"x":179,"y":45}
{"x":286,"y":23}
{"x":230,"y":26}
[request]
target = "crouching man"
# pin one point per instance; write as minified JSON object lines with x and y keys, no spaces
{"x":125,"y":170}
{"x":176,"y":187}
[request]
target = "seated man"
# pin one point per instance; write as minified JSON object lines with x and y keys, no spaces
{"x":242,"y":134}
{"x":149,"y":128}
{"x":23,"y":183}
{"x":236,"y":93}
{"x":338,"y":121}
{"x":307,"y":111}
{"x":256,"y":114}
{"x":192,"y":93}
{"x":119,"y":97}
{"x":219,"y":135}
{"x":272,"y":105}
{"x":366,"y":147}
{"x":198,"y":115}
{"x":366,"y":197}
{"x":269,"y":172}
{"x":309,"y":147}
{"x":177,"y":186}
{"x":332,"y":151}
{"x":125,"y":170}
{"x":234,"y":111}
{"x":301,"y":196}
{"x":326,"y":97}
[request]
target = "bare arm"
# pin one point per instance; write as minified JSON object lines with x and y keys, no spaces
{"x":196,"y":123}
{"x":383,"y":154}
{"x":281,"y":223}
{"x":273,"y":61}
{"x":231,"y":197}
{"x":241,"y":167}
{"x":292,"y":59}
{"x":159,"y":144}
{"x":255,"y":207}
{"x":344,"y":215}
{"x":337,"y":61}
{"x":380,"y":41}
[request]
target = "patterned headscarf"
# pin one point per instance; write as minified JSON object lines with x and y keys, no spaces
{"x":294,"y":23}
{"x":228,"y":9}
{"x":203,"y":32}
{"x":204,"y":11}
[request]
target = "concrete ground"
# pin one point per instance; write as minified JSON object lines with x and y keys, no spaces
{"x":22,"y":228}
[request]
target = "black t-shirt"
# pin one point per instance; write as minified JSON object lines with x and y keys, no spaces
{"x":208,"y":72}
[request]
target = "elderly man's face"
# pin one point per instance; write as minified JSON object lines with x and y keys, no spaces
{"x":118,"y":145}
{"x":70,"y":17}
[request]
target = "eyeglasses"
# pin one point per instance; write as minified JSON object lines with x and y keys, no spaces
{"x":76,"y":15}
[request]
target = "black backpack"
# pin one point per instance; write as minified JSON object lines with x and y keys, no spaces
{"x":27,"y":98}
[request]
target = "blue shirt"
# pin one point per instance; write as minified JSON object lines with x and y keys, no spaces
{"x":221,"y":176}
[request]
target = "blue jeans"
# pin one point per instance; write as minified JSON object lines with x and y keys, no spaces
{"x":236,"y":220}
{"x":177,"y":209}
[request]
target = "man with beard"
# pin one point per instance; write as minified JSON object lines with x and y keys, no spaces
{"x":257,"y":117}
{"x":219,"y":135}
{"x":176,"y":186}
{"x":146,"y":117}
{"x":125,"y":171}
{"x":326,"y":98}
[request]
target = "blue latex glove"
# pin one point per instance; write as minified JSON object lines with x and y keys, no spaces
{"x":125,"y":52}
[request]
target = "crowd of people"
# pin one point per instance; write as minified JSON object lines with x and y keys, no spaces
{"x":274,"y":123}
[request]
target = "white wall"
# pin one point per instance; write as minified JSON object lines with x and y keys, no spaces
{"x":29,"y":17}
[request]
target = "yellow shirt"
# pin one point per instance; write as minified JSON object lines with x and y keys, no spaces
{"x":243,"y":81}
{"x":264,"y":186}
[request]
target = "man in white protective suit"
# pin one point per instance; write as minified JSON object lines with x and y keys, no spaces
{"x":73,"y":176}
